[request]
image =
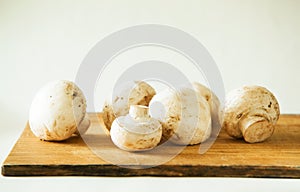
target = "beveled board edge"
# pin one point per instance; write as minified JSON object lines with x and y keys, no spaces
{"x":158,"y":171}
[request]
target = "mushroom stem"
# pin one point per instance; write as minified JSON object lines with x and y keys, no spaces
{"x":256,"y":128}
{"x":139,"y":111}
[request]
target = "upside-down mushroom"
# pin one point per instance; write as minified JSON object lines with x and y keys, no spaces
{"x":136,"y":131}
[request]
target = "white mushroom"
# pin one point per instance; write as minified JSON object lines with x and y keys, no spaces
{"x":56,"y":110}
{"x":136,"y":131}
{"x":213,"y":101}
{"x":251,"y":112}
{"x":185,"y":116}
{"x":136,"y":93}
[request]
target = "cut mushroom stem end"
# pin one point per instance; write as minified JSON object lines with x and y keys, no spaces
{"x":256,"y":129}
{"x":139,"y":112}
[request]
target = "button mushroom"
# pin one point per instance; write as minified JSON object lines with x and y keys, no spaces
{"x":56,"y":110}
{"x":212,"y":100}
{"x":185,"y":116}
{"x":251,"y":112}
{"x":137,"y":93}
{"x":136,"y":131}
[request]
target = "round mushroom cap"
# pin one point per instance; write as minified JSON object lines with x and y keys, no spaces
{"x":134,"y":93}
{"x":250,"y":102}
{"x":185,"y":116}
{"x":213,"y":101}
{"x":56,"y":110}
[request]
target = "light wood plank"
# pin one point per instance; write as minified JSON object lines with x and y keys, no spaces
{"x":279,"y":156}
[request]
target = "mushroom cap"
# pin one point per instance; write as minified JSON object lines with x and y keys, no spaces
{"x":136,"y":131}
{"x":185,"y":116}
{"x":134,"y":93}
{"x":213,"y":101}
{"x":249,"y":102}
{"x":56,"y":110}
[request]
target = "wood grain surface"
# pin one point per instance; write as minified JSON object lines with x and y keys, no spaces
{"x":279,"y":156}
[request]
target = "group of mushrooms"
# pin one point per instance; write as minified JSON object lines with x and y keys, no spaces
{"x":139,"y":119}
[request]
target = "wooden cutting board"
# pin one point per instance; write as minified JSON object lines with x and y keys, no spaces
{"x":279,"y":156}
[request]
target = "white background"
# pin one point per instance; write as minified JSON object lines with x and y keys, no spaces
{"x":252,"y":42}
